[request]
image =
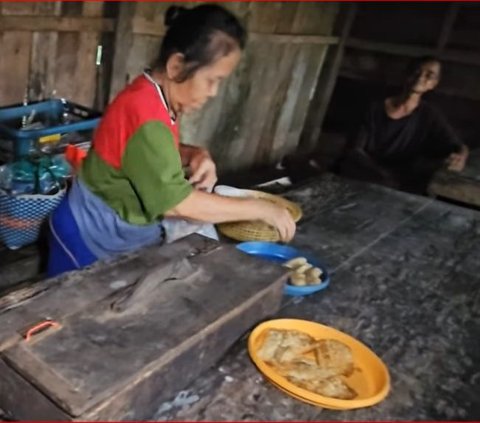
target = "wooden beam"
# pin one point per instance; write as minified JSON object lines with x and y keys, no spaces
{"x":123,"y":43}
{"x":294,"y":39}
{"x":15,"y":60}
{"x":43,"y":60}
{"x":56,"y":23}
{"x":142,"y":26}
{"x":325,"y":86}
{"x":450,"y":91}
{"x":447,"y":26}
{"x":455,"y":56}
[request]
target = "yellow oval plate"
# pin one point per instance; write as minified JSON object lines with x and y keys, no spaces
{"x":291,"y":394}
{"x":370,"y":380}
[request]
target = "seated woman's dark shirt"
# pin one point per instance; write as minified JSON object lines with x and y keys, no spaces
{"x":423,"y":133}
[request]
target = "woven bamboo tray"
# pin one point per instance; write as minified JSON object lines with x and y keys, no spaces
{"x":258,"y":230}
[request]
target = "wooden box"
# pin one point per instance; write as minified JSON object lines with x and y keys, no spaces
{"x":121,"y":337}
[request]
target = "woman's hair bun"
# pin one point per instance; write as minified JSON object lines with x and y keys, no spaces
{"x":173,"y":13}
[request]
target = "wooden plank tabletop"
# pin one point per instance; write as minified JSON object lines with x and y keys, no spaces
{"x":405,"y":280}
{"x":459,"y":186}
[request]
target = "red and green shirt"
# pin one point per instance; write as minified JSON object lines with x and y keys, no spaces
{"x":134,"y":165}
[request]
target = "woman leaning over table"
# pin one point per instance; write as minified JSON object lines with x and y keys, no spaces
{"x":132,"y":177}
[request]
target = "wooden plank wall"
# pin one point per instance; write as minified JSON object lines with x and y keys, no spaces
{"x":259,"y":113}
{"x":50,"y":48}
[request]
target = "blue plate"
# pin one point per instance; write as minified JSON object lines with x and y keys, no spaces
{"x":282,"y":253}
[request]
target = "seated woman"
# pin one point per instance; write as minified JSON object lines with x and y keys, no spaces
{"x":403,"y":139}
{"x":133,"y":176}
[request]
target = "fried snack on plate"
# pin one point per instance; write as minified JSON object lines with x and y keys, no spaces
{"x":315,"y":365}
{"x":333,"y":387}
{"x":303,"y":369}
{"x":270,"y":344}
{"x":283,"y":345}
{"x":333,"y":354}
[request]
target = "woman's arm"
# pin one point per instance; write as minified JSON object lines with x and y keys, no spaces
{"x":217,"y":209}
{"x":155,"y":171}
{"x":446,"y":142}
{"x":457,"y":161}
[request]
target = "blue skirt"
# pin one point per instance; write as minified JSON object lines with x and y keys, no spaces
{"x":67,"y":250}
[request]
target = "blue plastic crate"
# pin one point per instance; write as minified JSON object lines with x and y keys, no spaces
{"x":56,"y":116}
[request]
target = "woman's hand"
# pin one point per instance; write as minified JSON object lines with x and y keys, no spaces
{"x":215,"y":208}
{"x":278,"y":217}
{"x":203,"y":171}
{"x":456,"y":161}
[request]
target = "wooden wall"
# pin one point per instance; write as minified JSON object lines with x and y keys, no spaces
{"x":50,"y":48}
{"x":260,"y":112}
{"x":385,"y":37}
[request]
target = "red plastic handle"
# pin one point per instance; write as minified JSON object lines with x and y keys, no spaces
{"x":32,"y":331}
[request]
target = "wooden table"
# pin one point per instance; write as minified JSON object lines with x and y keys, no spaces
{"x":462,"y":186}
{"x":405,"y":280}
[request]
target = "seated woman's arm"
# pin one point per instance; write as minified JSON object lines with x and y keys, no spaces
{"x":457,"y":161}
{"x":446,"y":143}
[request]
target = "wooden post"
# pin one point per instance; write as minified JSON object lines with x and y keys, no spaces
{"x":41,"y":82}
{"x":325,"y":86}
{"x":123,"y":43}
{"x":447,"y":26}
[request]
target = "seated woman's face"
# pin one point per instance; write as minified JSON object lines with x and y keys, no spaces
{"x":425,"y":78}
{"x":193,"y":93}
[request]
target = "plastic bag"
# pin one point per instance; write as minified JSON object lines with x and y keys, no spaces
{"x":43,"y":175}
{"x":176,"y":228}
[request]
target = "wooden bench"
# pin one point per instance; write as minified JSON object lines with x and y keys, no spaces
{"x":462,"y":187}
{"x":124,"y":335}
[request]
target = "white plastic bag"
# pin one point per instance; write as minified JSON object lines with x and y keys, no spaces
{"x":176,"y":228}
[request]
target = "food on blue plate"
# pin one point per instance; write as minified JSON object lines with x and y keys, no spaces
{"x":303,"y":268}
{"x":313,"y":276}
{"x":298,"y":279}
{"x":316,"y":365}
{"x":303,"y":272}
{"x":295,"y":262}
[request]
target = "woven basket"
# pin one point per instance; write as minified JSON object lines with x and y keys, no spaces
{"x":258,"y":230}
{"x":21,"y":216}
